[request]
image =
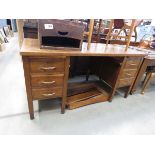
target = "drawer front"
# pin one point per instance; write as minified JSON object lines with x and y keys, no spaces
{"x":131,"y":64}
{"x":45,"y":93}
{"x":128,"y":73}
{"x":50,"y":66}
{"x":125,"y":82}
{"x":47,"y":80}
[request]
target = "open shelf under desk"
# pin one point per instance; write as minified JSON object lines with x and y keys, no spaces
{"x":85,"y":93}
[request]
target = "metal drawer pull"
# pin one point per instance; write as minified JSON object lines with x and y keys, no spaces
{"x":128,"y":74}
{"x":48,"y":94}
{"x":47,"y":68}
{"x":133,"y":64}
{"x":47,"y":82}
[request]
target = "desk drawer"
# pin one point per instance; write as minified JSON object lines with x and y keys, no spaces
{"x":45,"y":93}
{"x":45,"y":65}
{"x":125,"y":82}
{"x":128,"y":73}
{"x":131,"y":64}
{"x":47,"y":80}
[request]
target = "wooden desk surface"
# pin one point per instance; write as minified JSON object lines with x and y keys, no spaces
{"x":150,"y":57}
{"x":31,"y":47}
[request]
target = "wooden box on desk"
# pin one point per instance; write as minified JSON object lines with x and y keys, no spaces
{"x":60,"y":34}
{"x":30,"y":30}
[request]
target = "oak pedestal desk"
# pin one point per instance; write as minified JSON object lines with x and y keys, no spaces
{"x":47,"y":71}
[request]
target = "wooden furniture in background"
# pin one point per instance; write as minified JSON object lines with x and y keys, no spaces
{"x":124,"y":27}
{"x":147,"y":61}
{"x":46,"y":71}
{"x":90,"y":32}
{"x":98,"y":31}
{"x":149,"y":75}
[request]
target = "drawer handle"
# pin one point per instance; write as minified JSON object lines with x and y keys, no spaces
{"x":62,"y":33}
{"x":133,"y":64}
{"x":128,"y":74}
{"x":47,"y":82}
{"x":47,"y":68}
{"x":48,"y":94}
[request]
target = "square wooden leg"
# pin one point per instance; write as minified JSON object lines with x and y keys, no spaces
{"x":65,"y":85}
{"x":31,"y":111}
{"x":112,"y":93}
{"x":63,"y":105}
{"x":127,"y":92}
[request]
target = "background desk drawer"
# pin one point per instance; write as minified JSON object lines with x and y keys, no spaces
{"x":128,"y":73}
{"x":47,"y":80}
{"x":45,"y":65}
{"x":125,"y":82}
{"x":131,"y":64}
{"x":45,"y":93}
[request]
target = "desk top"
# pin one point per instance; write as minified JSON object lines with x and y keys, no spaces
{"x":31,"y":47}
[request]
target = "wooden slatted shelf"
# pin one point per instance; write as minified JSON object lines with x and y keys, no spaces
{"x":85,"y":94}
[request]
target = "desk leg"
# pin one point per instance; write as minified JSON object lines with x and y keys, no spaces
{"x":26,"y":67}
{"x":140,"y":74}
{"x":31,"y":111}
{"x":115,"y":84}
{"x":112,"y":93}
{"x":65,"y":86}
